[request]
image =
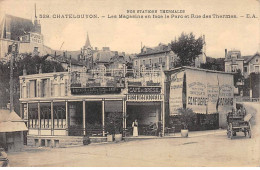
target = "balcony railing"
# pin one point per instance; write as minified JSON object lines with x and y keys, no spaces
{"x":115,"y":78}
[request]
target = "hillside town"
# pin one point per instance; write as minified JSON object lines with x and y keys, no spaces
{"x":61,"y":98}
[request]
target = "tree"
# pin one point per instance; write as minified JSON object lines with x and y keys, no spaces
{"x":187,"y":48}
{"x":187,"y":117}
{"x":32,"y":65}
{"x":238,"y":77}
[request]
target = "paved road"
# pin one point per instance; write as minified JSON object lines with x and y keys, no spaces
{"x":201,"y":150}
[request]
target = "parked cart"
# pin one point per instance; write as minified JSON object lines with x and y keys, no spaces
{"x":238,"y":123}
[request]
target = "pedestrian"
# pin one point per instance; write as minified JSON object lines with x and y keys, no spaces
{"x":135,"y":128}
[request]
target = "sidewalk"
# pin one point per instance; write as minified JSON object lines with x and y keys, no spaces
{"x":178,"y":135}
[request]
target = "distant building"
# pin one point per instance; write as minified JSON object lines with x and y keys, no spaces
{"x":163,"y":57}
{"x":25,"y":33}
{"x":154,"y":58}
{"x":246,"y":64}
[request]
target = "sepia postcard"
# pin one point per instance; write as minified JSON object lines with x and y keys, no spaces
{"x":110,"y":83}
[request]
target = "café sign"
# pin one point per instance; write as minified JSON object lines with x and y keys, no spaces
{"x":95,"y":90}
{"x":144,"y":97}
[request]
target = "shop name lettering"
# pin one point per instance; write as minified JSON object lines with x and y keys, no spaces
{"x":144,"y":97}
{"x":95,"y":90}
{"x":144,"y":89}
{"x":202,"y":101}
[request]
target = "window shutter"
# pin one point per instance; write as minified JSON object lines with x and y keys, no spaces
{"x":48,"y":88}
{"x":52,"y":88}
{"x":21,"y":90}
{"x":66,"y":87}
{"x":40,"y":88}
{"x":28,"y":89}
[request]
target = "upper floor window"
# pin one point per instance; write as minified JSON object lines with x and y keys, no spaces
{"x":33,"y":89}
{"x":136,"y":63}
{"x":245,"y":69}
{"x":150,"y":61}
{"x":234,"y":68}
{"x":143,"y":62}
{"x":256,"y":60}
{"x":257,"y":70}
{"x":44,"y":87}
{"x":160,"y":60}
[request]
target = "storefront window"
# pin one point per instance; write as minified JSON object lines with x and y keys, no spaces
{"x":59,"y":114}
{"x":45,"y":109}
{"x":33,"y":121}
{"x":24,"y":111}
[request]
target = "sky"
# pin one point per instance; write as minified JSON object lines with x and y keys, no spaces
{"x":129,"y":34}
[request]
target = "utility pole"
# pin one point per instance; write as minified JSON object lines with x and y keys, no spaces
{"x":13,"y":54}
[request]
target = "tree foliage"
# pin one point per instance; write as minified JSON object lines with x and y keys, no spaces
{"x":187,"y":48}
{"x":187,"y":117}
{"x":32,"y":65}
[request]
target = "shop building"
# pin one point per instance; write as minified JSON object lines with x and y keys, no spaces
{"x":63,"y":108}
{"x":210,"y":94}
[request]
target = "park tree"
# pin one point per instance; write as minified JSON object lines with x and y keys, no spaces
{"x":187,"y":48}
{"x":32,"y":65}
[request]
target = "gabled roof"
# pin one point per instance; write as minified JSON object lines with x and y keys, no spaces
{"x":161,"y":48}
{"x":11,"y":122}
{"x":103,"y":56}
{"x":17,"y":26}
{"x":249,"y":58}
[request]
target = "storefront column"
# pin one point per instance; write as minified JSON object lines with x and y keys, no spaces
{"x":124,"y":103}
{"x":27,"y":110}
{"x":21,"y":111}
{"x":103,"y":116}
{"x":39,"y":119}
{"x":123,"y":112}
{"x":67,"y":118}
{"x":163,"y":117}
{"x":52,"y":119}
{"x":84,"y":117}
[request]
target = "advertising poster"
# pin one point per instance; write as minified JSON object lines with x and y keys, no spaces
{"x":197,"y":97}
{"x":176,"y":90}
{"x":212,"y":92}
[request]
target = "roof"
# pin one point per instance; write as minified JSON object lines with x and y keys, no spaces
{"x":161,"y":48}
{"x":18,"y":26}
{"x":11,"y":122}
{"x":62,"y":59}
{"x":87,"y":44}
{"x":198,"y":69}
{"x":103,"y":56}
{"x":249,"y":57}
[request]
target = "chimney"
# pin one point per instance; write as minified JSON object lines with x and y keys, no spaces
{"x":24,"y":71}
{"x":63,"y":53}
{"x":40,"y":69}
{"x":96,"y":48}
{"x":225,"y":53}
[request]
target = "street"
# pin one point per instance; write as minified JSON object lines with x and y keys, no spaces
{"x":203,"y":149}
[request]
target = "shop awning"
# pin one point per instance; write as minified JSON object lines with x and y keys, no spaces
{"x":11,"y":122}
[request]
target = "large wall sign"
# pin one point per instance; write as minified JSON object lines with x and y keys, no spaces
{"x":36,"y":38}
{"x":144,"y":89}
{"x":213,"y":92}
{"x":95,"y":90}
{"x":176,"y":87}
{"x":144,"y":97}
{"x":197,"y":97}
